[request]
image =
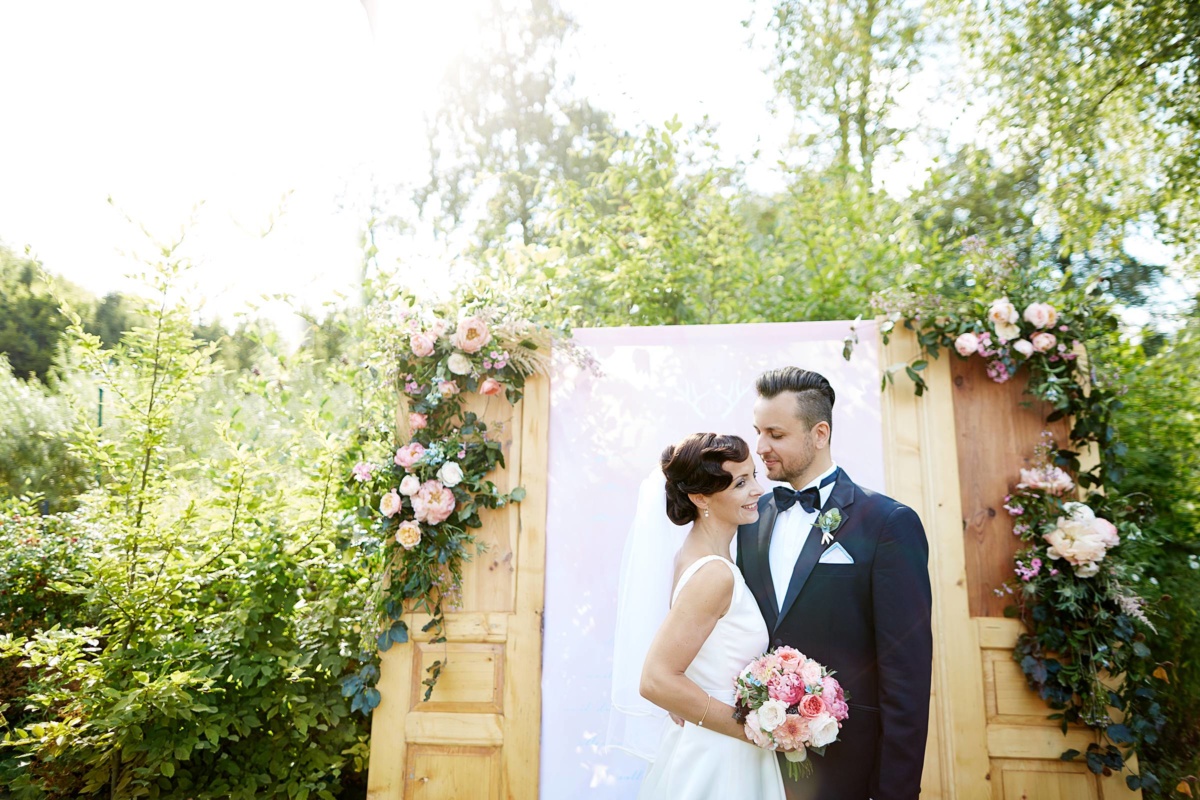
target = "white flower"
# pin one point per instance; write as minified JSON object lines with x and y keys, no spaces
{"x":822,"y":730}
{"x":1023,"y":347}
{"x":410,"y":485}
{"x":1006,"y":331}
{"x":1087,"y":570}
{"x":450,"y":474}
{"x":967,"y":344}
{"x":771,"y":714}
{"x":1002,"y":311}
{"x":459,"y":364}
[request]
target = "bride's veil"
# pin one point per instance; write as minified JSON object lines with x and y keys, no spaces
{"x":643,"y":598}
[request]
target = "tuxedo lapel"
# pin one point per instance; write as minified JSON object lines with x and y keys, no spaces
{"x":754,"y":553}
{"x":842,"y":497}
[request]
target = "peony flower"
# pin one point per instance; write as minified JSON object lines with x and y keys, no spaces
{"x":1006,"y":331}
{"x":410,"y":485}
{"x":834,"y":697}
{"x":1049,"y":479}
{"x":459,"y":364}
{"x":1041,"y":315}
{"x":786,"y":687}
{"x":1043,"y":341}
{"x":822,"y":730}
{"x":771,"y":714}
{"x":1081,"y":539}
{"x":362,"y":471}
{"x":437,"y":327}
{"x":390,"y":503}
{"x":1002,"y":312}
{"x":433,"y":503}
{"x":417,"y":421}
{"x":967,"y":344}
{"x":1107,"y":532}
{"x":811,"y":705}
{"x":1023,"y":347}
{"x":409,"y":534}
{"x":472,"y":335}
{"x":421,"y":344}
{"x":450,"y":474}
{"x":491,"y":386}
{"x":447,"y":388}
{"x":410,"y":454}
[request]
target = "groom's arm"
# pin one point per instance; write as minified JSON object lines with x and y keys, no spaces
{"x":904,"y":652}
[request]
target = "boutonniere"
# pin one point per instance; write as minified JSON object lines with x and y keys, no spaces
{"x":829,"y":521}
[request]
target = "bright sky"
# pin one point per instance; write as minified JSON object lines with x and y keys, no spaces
{"x":274,"y":121}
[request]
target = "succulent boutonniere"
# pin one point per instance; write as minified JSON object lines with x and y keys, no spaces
{"x":830,"y":521}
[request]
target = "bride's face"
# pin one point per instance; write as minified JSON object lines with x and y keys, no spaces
{"x":738,"y":503}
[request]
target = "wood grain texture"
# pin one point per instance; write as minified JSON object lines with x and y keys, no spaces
{"x":996,"y":438}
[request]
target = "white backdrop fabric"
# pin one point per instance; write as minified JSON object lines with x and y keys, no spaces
{"x":606,"y":433}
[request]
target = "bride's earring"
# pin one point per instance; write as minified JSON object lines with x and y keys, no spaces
{"x":706,"y":512}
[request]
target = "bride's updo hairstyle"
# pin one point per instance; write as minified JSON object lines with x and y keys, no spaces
{"x":693,"y":466}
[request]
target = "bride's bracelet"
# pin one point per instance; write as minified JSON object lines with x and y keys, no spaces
{"x":700,"y":724}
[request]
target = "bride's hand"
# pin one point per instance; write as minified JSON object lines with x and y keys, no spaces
{"x":677,"y":720}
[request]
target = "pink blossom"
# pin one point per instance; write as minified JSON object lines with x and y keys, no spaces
{"x":786,"y":687}
{"x":812,"y":705}
{"x":755,"y":732}
{"x":967,"y":344}
{"x":491,"y":386}
{"x":433,"y":503}
{"x":410,"y":454}
{"x":1107,"y":532}
{"x":362,"y":471}
{"x":997,"y":371}
{"x":789,"y":658}
{"x":1043,"y":341}
{"x":447,"y":388}
{"x":417,"y":421}
{"x":834,"y":697}
{"x":1049,"y":479}
{"x":792,"y":732}
{"x":472,"y":335}
{"x":811,"y":672}
{"x":421,"y":344}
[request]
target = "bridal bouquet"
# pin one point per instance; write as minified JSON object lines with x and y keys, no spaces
{"x":787,"y":700}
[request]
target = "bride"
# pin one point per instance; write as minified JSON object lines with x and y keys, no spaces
{"x":710,"y":630}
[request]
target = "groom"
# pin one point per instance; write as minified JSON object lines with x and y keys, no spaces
{"x":854,"y":594}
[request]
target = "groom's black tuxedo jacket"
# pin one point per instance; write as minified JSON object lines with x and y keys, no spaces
{"x":870,"y":622}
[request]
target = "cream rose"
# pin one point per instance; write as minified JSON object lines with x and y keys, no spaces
{"x":1041,"y":315}
{"x":1007,"y":331}
{"x":450,"y":474}
{"x":1023,"y":347}
{"x":967,"y":344}
{"x":409,"y":534}
{"x":823,"y":730}
{"x":410,"y":485}
{"x":1043,"y":341}
{"x":1002,"y":311}
{"x":459,"y":364}
{"x":771,"y":714}
{"x":389,"y":504}
{"x":810,"y":672}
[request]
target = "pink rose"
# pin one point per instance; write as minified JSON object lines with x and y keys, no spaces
{"x":389,"y":504}
{"x":967,"y":344}
{"x":1041,"y":315}
{"x":362,"y":471}
{"x":417,"y":421}
{"x":448,"y":388}
{"x":437,"y":328}
{"x":789,"y":658}
{"x":421,"y":344}
{"x":1043,"y":341}
{"x":811,"y":705}
{"x":491,"y":386}
{"x":409,"y":454}
{"x":433,"y":503}
{"x":1023,"y":347}
{"x":472,"y":335}
{"x":1002,"y":311}
{"x":756,"y":734}
{"x":1106,"y":532}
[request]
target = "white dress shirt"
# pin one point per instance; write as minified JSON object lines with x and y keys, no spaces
{"x":792,"y":528}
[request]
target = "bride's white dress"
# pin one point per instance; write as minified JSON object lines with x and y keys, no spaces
{"x":695,"y":762}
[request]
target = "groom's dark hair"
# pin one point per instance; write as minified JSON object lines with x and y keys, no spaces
{"x":814,"y":395}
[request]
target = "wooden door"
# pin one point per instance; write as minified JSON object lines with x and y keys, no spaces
{"x":478,"y":734}
{"x":952,"y":456}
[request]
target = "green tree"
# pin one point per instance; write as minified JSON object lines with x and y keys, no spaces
{"x":1107,"y":93}
{"x":842,"y":66}
{"x":509,"y":125}
{"x":30,"y":325}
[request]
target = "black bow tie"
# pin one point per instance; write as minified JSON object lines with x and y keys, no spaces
{"x":809,"y":499}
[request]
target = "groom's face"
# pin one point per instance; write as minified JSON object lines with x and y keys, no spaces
{"x":785,"y":444}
